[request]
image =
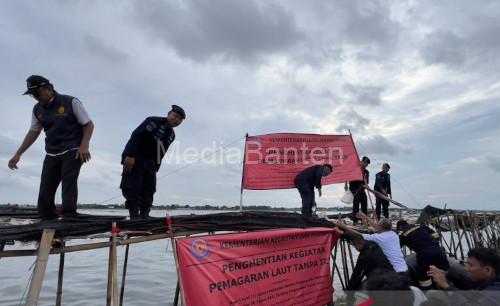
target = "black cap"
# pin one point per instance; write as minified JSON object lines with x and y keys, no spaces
{"x":179,"y":110}
{"x":365,"y":158}
{"x":34,"y":82}
{"x":386,"y":165}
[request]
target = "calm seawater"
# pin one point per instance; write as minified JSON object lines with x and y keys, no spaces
{"x":151,"y":273}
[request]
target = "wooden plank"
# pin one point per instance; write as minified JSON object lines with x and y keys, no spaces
{"x":40,"y":267}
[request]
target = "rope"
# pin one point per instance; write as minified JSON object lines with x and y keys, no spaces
{"x":372,"y":156}
{"x":23,"y":296}
{"x":209,"y":154}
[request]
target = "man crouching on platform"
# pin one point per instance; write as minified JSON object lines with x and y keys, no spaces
{"x":141,"y":159}
{"x":305,"y":182}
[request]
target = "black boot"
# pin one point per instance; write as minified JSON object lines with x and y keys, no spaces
{"x":134,"y":213}
{"x":145,"y":212}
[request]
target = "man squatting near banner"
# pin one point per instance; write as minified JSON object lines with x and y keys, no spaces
{"x":358,"y":191}
{"x":68,"y":129}
{"x":141,"y":159}
{"x":305,"y":182}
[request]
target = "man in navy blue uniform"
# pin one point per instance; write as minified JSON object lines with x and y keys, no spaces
{"x":142,"y":157}
{"x":423,"y":241}
{"x":68,"y":129}
{"x":383,"y":185}
{"x":305,"y":182}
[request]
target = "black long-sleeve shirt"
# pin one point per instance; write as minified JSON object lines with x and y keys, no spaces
{"x":370,"y":258}
{"x":354,"y":186}
{"x":310,"y":178}
{"x":419,"y":237}
{"x":150,"y":140}
{"x":383,"y":182}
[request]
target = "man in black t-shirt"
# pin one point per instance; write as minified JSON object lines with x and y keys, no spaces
{"x":357,"y":189}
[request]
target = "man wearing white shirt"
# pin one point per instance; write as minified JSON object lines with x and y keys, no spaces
{"x":68,"y":130}
{"x":386,"y":239}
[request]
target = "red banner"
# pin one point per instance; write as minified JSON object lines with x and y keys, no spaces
{"x":273,"y":161}
{"x":279,"y":267}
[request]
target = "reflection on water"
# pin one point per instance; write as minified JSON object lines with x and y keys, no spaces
{"x":151,"y":273}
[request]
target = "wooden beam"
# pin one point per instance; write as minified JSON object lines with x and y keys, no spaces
{"x":40,"y":267}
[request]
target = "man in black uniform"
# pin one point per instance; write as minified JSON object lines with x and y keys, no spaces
{"x":142,"y":157}
{"x":358,"y":191}
{"x":370,"y":258}
{"x":68,"y":129}
{"x":383,"y":185}
{"x":423,"y":241}
{"x":305,"y":182}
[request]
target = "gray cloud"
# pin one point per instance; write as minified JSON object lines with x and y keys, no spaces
{"x":493,"y":162}
{"x":297,"y":55}
{"x":379,"y":145}
{"x":468,"y":37}
{"x":97,"y":46}
{"x":231,"y":29}
{"x":364,"y":95}
{"x":353,"y":121}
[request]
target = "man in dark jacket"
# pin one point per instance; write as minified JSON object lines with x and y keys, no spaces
{"x":482,"y":267}
{"x":142,"y":157}
{"x":305,"y":182}
{"x":370,"y":258}
{"x":68,"y":129}
{"x":423,"y":241}
{"x":383,"y":185}
{"x":358,"y":191}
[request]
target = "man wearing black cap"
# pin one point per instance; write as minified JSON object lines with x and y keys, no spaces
{"x":141,"y":159}
{"x":383,"y":185}
{"x":305,"y":182}
{"x":68,"y":130}
{"x":358,"y":191}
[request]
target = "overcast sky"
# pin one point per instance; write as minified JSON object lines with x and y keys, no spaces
{"x":416,"y":82}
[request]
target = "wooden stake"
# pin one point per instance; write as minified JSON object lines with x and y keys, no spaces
{"x":40,"y":267}
{"x":60,"y":276}
{"x":124,"y":274}
{"x":112,"y":292}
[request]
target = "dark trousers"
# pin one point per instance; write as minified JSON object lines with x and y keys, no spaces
{"x":426,"y":257}
{"x":359,"y":199}
{"x":307,"y":195}
{"x":62,"y":169}
{"x":385,"y":206}
{"x":138,"y":187}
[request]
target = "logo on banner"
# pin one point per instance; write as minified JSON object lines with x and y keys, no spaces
{"x":200,"y":248}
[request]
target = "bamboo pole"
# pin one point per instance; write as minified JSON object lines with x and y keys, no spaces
{"x":452,"y":240}
{"x":60,"y":277}
{"x":40,"y":267}
{"x":176,"y":297}
{"x":85,"y":247}
{"x":124,"y":274}
{"x":112,"y":290}
{"x":179,"y":280}
{"x":465,"y":232}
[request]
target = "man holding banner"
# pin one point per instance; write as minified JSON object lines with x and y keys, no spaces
{"x":305,"y":182}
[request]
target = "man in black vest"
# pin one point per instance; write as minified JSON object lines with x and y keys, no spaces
{"x":358,"y":191}
{"x":141,"y":159}
{"x":425,"y":242}
{"x":305,"y":182}
{"x":68,"y":130}
{"x":383,"y":185}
